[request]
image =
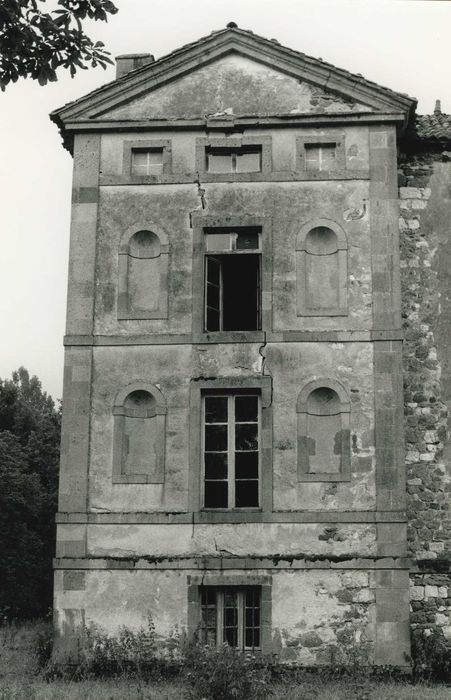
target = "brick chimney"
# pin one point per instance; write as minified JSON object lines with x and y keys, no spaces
{"x":131,"y":61}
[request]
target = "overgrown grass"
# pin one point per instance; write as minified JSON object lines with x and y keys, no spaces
{"x":126,"y":689}
{"x":20,"y":679}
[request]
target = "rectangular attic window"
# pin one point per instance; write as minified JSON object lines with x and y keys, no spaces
{"x":320,"y":156}
{"x":244,"y":159}
{"x":232,"y":279}
{"x":147,"y":161}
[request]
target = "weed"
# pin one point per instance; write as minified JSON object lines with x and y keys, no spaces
{"x":431,"y":655}
{"x":224,"y":673}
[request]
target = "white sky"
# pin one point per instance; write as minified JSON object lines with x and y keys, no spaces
{"x":401,"y":44}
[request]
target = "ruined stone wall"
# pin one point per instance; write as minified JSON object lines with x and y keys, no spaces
{"x":425,"y":228}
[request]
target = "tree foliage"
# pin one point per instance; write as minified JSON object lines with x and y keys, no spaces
{"x":35,"y":42}
{"x":29,"y":457}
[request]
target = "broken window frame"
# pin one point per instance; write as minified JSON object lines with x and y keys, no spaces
{"x":234,"y":153}
{"x":217,"y":257}
{"x":231,"y":451}
{"x":216,"y":623}
{"x":261,"y":142}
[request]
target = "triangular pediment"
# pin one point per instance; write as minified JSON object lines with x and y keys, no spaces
{"x":236,"y":72}
{"x":234,"y":84}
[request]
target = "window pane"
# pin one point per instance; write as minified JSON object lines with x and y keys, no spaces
{"x":246,"y":436}
{"x":248,"y":240}
{"x":213,"y":271}
{"x":220,"y":241}
{"x":216,"y":465}
{"x":139,"y":158}
{"x":216,"y":438}
{"x":219,"y":162}
{"x":246,"y":465}
{"x":155,"y":156}
{"x":213,"y":297}
{"x":252,"y":638}
{"x":208,"y":615}
{"x":252,"y":618}
{"x":216,"y":409}
{"x":246,"y":408}
{"x":248,"y":162}
{"x":147,"y":161}
{"x":320,"y":157}
{"x":231,"y":617}
{"x":216,"y":494}
{"x":246,"y":494}
{"x":208,"y":596}
{"x":212,"y":320}
{"x":327,"y":157}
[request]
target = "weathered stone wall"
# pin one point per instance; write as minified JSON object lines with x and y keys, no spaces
{"x":317,"y":616}
{"x":425,"y":229}
{"x":125,"y":545}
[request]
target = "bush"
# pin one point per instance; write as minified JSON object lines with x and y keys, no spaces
{"x":132,"y":653}
{"x":223,"y":673}
{"x":431,"y":655}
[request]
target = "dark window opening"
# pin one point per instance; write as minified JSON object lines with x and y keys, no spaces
{"x":231,"y":615}
{"x":232,"y":280}
{"x":231,"y":451}
{"x":245,"y":159}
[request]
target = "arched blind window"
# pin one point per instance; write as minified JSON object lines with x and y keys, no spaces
{"x":321,"y":270}
{"x":139,"y":435}
{"x":324,"y":450}
{"x":143,"y":270}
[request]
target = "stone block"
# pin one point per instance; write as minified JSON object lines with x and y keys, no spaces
{"x":417,"y":593}
{"x":441,"y":619}
{"x":74,"y":580}
{"x":410,"y":193}
{"x":431,"y":591}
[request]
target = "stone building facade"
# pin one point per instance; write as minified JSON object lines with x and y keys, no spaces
{"x":233,"y":447}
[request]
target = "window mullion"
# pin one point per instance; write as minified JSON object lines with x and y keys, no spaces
{"x":220,"y":618}
{"x":241,"y":619}
{"x":260,"y":457}
{"x":231,"y":451}
{"x":221,"y":301}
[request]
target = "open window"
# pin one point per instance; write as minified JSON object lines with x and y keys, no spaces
{"x":232,"y":279}
{"x":231,"y":615}
{"x":231,"y":450}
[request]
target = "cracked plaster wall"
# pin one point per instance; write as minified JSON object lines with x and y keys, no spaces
{"x":237,"y":84}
